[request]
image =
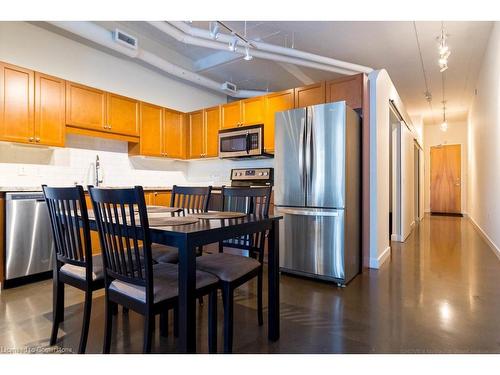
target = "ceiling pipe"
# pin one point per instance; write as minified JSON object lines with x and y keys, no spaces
{"x":182,"y":37}
{"x":103,"y":37}
{"x":292,"y":52}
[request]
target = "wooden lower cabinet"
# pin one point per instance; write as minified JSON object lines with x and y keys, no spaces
{"x":159,"y":198}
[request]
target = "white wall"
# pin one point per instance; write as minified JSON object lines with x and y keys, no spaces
{"x":407,"y":182}
{"x":35,"y":48}
{"x":434,"y":136}
{"x":484,"y":140}
{"x":381,"y":91}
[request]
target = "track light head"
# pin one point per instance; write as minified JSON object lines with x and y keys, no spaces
{"x":214,"y":30}
{"x":232,"y":44}
{"x":247,"y":57}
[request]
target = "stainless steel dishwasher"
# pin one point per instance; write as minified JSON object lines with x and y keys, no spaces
{"x":29,"y":242}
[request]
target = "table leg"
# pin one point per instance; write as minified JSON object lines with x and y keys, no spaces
{"x":187,"y":298}
{"x":273,"y":283}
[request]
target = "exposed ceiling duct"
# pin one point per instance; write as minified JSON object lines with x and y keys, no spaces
{"x":203,"y":38}
{"x":257,"y":47}
{"x":104,"y":37}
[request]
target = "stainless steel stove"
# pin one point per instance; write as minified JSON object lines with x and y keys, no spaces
{"x":252,"y":177}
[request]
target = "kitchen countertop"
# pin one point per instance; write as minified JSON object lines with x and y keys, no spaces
{"x":7,"y":189}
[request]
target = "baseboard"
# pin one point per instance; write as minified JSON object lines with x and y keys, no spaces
{"x":381,"y":259}
{"x":487,"y":238}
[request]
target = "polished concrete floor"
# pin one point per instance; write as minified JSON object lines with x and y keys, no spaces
{"x":439,"y":294}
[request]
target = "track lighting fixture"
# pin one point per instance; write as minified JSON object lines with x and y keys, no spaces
{"x":444,"y":124}
{"x":444,"y":50}
{"x":232,"y":44}
{"x":247,"y":57}
{"x":214,"y":30}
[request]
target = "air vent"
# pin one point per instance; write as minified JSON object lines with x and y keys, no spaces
{"x":125,"y":39}
{"x":229,"y":87}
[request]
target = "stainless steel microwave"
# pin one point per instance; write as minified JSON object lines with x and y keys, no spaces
{"x":242,"y":142}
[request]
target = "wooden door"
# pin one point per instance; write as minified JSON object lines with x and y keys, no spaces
{"x":196,"y":135}
{"x":50,"y":106}
{"x":252,"y":111}
{"x":446,"y":179}
{"x":276,"y":102}
{"x":85,"y":107}
{"x":174,"y":136}
{"x":310,"y":95}
{"x":212,"y":126}
{"x":16,"y":104}
{"x":122,"y":115}
{"x":230,"y":115}
{"x":348,"y":88}
{"x":151,"y":130}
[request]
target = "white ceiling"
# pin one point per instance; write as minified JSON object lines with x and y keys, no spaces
{"x":388,"y":45}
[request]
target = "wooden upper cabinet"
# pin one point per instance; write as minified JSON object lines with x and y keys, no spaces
{"x":276,"y":102}
{"x":196,"y":135}
{"x":16,"y":104}
{"x":85,"y":107}
{"x":310,"y":95}
{"x":151,"y":130}
{"x":212,"y":126}
{"x":50,"y":104}
{"x":253,"y":110}
{"x":230,"y":115}
{"x":348,"y":88}
{"x":122,"y":115}
{"x":174,"y":136}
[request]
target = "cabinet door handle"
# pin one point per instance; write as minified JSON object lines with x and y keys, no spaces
{"x":31,"y":139}
{"x":37,"y":139}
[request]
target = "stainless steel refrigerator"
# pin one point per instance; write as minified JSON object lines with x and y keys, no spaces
{"x":317,"y":190}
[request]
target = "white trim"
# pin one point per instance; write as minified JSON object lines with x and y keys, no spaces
{"x":396,"y":237}
{"x":483,"y":234}
{"x":381,"y":259}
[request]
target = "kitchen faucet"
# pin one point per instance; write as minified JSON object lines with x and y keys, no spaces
{"x":97,"y":168}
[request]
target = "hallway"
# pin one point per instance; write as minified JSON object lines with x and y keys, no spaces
{"x":438,"y":294}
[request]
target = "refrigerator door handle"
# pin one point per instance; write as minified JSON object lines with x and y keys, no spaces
{"x":292,"y":211}
{"x":301,"y":151}
{"x":308,"y":157}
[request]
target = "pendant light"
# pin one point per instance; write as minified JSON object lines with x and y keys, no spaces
{"x":444,"y":50}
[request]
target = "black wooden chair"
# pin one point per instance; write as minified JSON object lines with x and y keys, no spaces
{"x":192,"y":200}
{"x":235,"y":270}
{"x":130,"y":277}
{"x":75,"y":264}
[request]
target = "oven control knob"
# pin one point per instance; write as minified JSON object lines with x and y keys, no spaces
{"x":265,"y":173}
{"x":261,"y":174}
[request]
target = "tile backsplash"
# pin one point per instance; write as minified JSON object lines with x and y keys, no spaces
{"x":30,"y":166}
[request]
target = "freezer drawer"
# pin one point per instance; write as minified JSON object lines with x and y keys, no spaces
{"x":312,"y":242}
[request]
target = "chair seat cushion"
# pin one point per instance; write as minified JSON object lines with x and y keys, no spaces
{"x":165,"y":283}
{"x":227,"y":267}
{"x":164,"y":254}
{"x":79,"y":272}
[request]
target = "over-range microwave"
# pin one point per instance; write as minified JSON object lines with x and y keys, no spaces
{"x":242,"y":142}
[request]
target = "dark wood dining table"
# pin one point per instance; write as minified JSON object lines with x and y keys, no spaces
{"x":188,"y":237}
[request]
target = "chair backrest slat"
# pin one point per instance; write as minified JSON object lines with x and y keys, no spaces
{"x":194,"y":199}
{"x":123,"y":227}
{"x":250,"y":200}
{"x":70,"y":227}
